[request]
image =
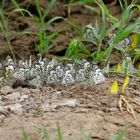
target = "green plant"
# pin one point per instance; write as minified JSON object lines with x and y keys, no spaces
{"x":59,"y":133}
{"x":5,"y":29}
{"x":100,"y":32}
{"x":86,"y":3}
{"x":46,"y":136}
{"x":83,"y":136}
{"x":17,"y":6}
{"x":123,"y":4}
{"x":77,"y":50}
{"x":121,"y":27}
{"x":124,"y":30}
{"x":121,"y":134}
{"x":74,"y":27}
{"x":25,"y":135}
{"x":45,"y":41}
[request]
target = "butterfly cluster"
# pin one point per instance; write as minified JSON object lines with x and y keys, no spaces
{"x":125,"y":44}
{"x":43,"y":72}
{"x":90,"y":35}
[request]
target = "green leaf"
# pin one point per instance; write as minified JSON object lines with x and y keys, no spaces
{"x":17,"y":6}
{"x":52,"y":20}
{"x":38,"y":7}
{"x":48,"y":9}
{"x":125,"y":16}
{"x":25,"y":135}
{"x":121,"y":134}
{"x":126,"y":31}
{"x":59,"y":133}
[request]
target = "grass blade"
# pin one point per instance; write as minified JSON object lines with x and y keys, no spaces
{"x":25,"y":135}
{"x":59,"y":133}
{"x":17,"y":6}
{"x":49,"y":7}
{"x":121,"y":134}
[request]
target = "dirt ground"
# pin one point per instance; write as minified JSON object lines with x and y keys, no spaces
{"x":75,"y":108}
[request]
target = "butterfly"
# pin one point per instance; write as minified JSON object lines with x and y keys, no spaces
{"x":80,"y":75}
{"x":9,"y":66}
{"x":19,"y":74}
{"x":68,"y":77}
{"x":37,"y":81}
{"x":43,"y":64}
{"x":52,"y":77}
{"x":59,"y":70}
{"x":123,"y":44}
{"x":86,"y":67}
{"x":4,"y":81}
{"x":127,"y":64}
{"x":24,"y":68}
{"x":111,"y":40}
{"x":70,"y":66}
{"x":89,"y":34}
{"x":98,"y":77}
{"x":35,"y":70}
{"x":50,"y":66}
{"x":38,"y":72}
{"x":105,"y":70}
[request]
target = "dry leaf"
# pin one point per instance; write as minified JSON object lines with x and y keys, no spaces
{"x":115,"y":87}
{"x":125,"y":83}
{"x":119,"y":68}
{"x":135,"y":38}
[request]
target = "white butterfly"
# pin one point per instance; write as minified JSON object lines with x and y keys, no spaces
{"x":25,"y":66}
{"x":105,"y":70}
{"x":52,"y":77}
{"x":35,"y":70}
{"x":23,"y":71}
{"x":59,"y":71}
{"x":127,"y":64}
{"x":68,"y":78}
{"x":96,"y":77}
{"x":9,"y":65}
{"x":86,"y":67}
{"x":125,"y":43}
{"x":50,"y":66}
{"x":37,"y":81}
{"x":70,"y":66}
{"x":19,"y":74}
{"x":43,"y":64}
{"x":89,"y":34}
{"x":99,"y":77}
{"x":111,"y":40}
{"x":80,"y":75}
